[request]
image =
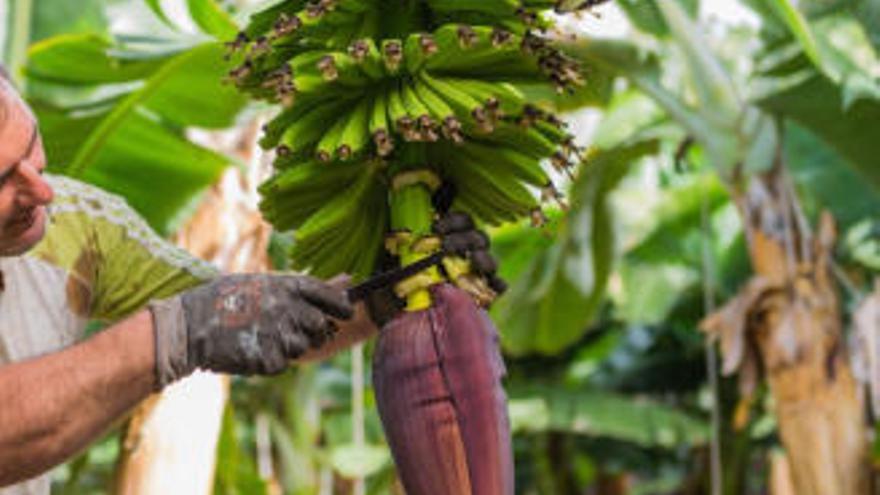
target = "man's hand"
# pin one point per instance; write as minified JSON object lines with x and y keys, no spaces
{"x":459,"y":236}
{"x":245,"y":324}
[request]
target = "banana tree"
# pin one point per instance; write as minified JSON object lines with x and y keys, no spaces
{"x":786,"y":323}
{"x":382,"y":105}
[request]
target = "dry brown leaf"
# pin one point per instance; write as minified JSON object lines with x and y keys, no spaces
{"x":749,"y":373}
{"x":729,"y":324}
{"x":786,"y":335}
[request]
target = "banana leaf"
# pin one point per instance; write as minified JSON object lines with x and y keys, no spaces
{"x":130,"y":139}
{"x":553,"y":276}
{"x":547,"y":407}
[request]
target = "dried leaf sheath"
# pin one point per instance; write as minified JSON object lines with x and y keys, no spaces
{"x":437,"y":375}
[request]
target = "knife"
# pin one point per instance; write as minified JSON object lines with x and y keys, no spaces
{"x":391,"y":277}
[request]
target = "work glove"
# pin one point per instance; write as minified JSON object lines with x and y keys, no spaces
{"x":459,"y":236}
{"x":244,"y":324}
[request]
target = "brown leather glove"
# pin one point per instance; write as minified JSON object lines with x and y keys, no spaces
{"x":244,"y":324}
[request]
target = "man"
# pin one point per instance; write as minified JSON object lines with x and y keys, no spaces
{"x":92,"y":258}
{"x":69,"y":254}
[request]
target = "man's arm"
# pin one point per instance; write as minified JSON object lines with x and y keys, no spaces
{"x":53,"y":406}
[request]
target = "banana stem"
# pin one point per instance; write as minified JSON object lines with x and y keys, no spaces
{"x":412,"y":212}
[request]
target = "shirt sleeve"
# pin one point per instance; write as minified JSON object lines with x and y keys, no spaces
{"x":131,"y":264}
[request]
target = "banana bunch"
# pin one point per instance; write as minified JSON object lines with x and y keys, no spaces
{"x":369,"y":82}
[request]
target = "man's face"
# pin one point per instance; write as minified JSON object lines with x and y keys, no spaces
{"x":24,"y":193}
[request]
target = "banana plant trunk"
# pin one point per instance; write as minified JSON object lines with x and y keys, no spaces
{"x":790,"y":322}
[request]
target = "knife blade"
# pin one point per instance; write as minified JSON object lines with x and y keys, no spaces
{"x":391,"y":277}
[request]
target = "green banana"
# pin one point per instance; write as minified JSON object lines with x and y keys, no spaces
{"x":294,"y":195}
{"x":350,"y":72}
{"x":370,"y":26}
{"x":499,"y":98}
{"x":450,"y":126}
{"x":462,"y":102}
{"x":303,"y":134}
{"x":528,"y":141}
{"x":507,"y":161}
{"x":463,"y":48}
{"x":378,"y":125}
{"x":417,"y":49}
{"x":426,"y":127}
{"x":331,"y":140}
{"x":499,"y":191}
{"x":398,"y":113}
{"x":356,"y":134}
{"x":264,"y":22}
{"x":493,"y":7}
{"x":337,"y":211}
{"x":275,"y":128}
{"x":308,"y":127}
{"x":365,"y":53}
{"x":392,"y":55}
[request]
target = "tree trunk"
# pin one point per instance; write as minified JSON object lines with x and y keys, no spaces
{"x":786,"y":324}
{"x":170,"y":443}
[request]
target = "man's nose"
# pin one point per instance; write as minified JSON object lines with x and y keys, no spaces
{"x":34,"y":188}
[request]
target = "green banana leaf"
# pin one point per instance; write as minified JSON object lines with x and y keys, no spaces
{"x":58,"y":16}
{"x":552,"y":277}
{"x":212,"y":19}
{"x":537,"y":408}
{"x":646,"y":16}
{"x":828,"y":179}
{"x":631,"y":113}
{"x":353,"y":461}
{"x":87,"y":59}
{"x":156,"y":169}
{"x":843,"y":114}
{"x":868,"y":13}
{"x":132,"y":142}
{"x":677,"y":217}
{"x":839,"y":47}
{"x":208,"y":15}
{"x":643,"y":71}
{"x":156,"y":7}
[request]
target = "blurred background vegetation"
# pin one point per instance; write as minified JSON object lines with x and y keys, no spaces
{"x":611,"y":387}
